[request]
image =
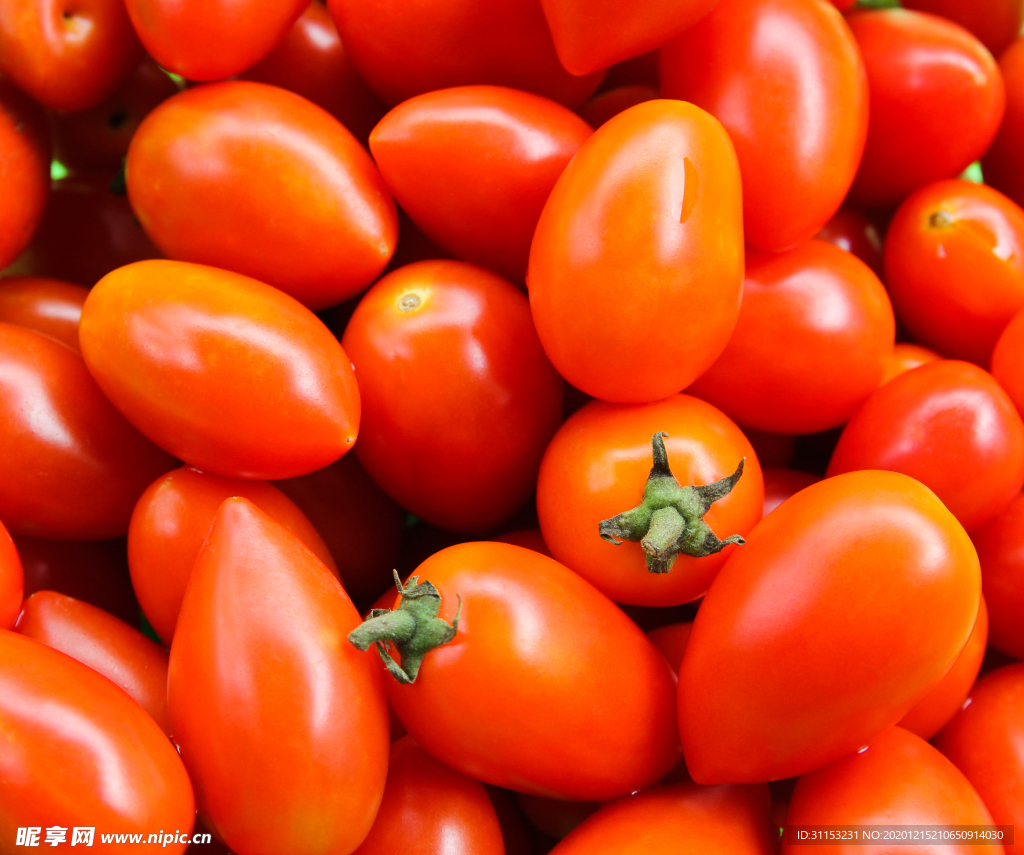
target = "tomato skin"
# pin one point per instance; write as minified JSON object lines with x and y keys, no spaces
{"x":839,"y":329}
{"x":403,"y":49}
{"x":441,"y":337}
{"x":779,"y":676}
{"x":428,"y":807}
{"x":608,"y":104}
{"x":906,"y":357}
{"x":240,"y":175}
{"x":780,"y":484}
{"x":937,"y":98}
{"x":999,"y":544}
{"x":77,"y":751}
{"x":228,"y":374}
{"x":900,"y":778}
{"x":1001,"y":163}
{"x":949,"y":425}
{"x":493,"y":154}
{"x":211,"y":39}
{"x":954,"y":265}
{"x":985,"y":742}
{"x":76,"y":466}
{"x":107,"y":645}
{"x":25,"y":179}
{"x":12,"y":580}
{"x":786,"y":80}
{"x":172,"y":519}
{"x":671,"y":640}
{"x":995,"y":23}
{"x":849,"y":229}
{"x":727,"y":820}
{"x":636,"y":267}
{"x":49,"y":306}
{"x":553,"y":643}
{"x":1008,"y":359}
{"x":67,"y":57}
{"x":595,"y":467}
{"x":281,"y":723}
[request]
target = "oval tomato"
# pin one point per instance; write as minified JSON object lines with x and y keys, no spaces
{"x":49,"y":306}
{"x":1000,"y":545}
{"x":850,"y":230}
{"x":636,"y":266}
{"x":906,"y":357}
{"x":780,"y":675}
{"x":12,"y":580}
{"x":25,"y":179}
{"x":786,"y":80}
{"x":996,"y":22}
{"x":780,"y":484}
{"x":229,"y":374}
{"x":671,"y":640}
{"x":1001,"y":163}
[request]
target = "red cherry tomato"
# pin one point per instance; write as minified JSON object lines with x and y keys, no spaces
{"x":404,"y":49}
{"x":67,"y":56}
{"x":281,"y":723}
{"x":173,"y":518}
{"x":73,"y":466}
{"x":636,"y":266}
{"x":493,"y":155}
{"x":906,"y":357}
{"x":671,"y":640}
{"x":428,"y":807}
{"x":260,"y":181}
{"x":814,"y":335}
{"x":107,"y":645}
{"x":211,"y":39}
{"x":442,"y":342}
{"x":82,"y":753}
{"x":1001,"y":164}
{"x":846,"y":606}
{"x":48,"y":306}
{"x":24,"y":180}
{"x":787,"y":81}
{"x":986,"y":742}
{"x":937,"y":98}
{"x":12,"y":580}
{"x":606,"y":105}
{"x":1000,"y":545}
{"x":996,"y":22}
{"x":1008,"y":360}
{"x":312,"y":62}
{"x":950,"y":426}
{"x":780,"y":484}
{"x":849,"y":229}
{"x":898,"y":779}
{"x":229,"y":374}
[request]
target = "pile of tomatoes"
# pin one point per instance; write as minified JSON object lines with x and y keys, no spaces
{"x":467,"y":427}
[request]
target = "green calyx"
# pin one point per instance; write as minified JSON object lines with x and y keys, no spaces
{"x":670,"y":519}
{"x":413,"y":628}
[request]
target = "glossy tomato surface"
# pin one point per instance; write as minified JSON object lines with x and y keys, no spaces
{"x":229,"y":374}
{"x":814,"y":335}
{"x":1000,"y":545}
{"x":49,"y":306}
{"x":636,"y":266}
{"x":786,"y":80}
{"x":949,"y":425}
{"x":906,"y":357}
{"x":996,"y":22}
{"x":780,"y":675}
{"x":24,"y":180}
{"x":12,"y":580}
{"x":281,"y":723}
{"x":1001,"y":163}
{"x":443,"y":343}
{"x":493,"y":154}
{"x":1008,"y":360}
{"x":258,"y":180}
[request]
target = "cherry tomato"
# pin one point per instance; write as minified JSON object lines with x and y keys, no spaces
{"x":446,"y":343}
{"x":606,"y":105}
{"x":986,"y":742}
{"x":1000,"y":545}
{"x":1008,"y":360}
{"x":996,"y":22}
{"x":211,"y":39}
{"x":228,"y":374}
{"x":48,"y":306}
{"x":937,"y":98}
{"x":814,"y":335}
{"x":845,"y":608}
{"x":728,"y":820}
{"x":787,"y":81}
{"x":636,"y":266}
{"x":107,"y":645}
{"x":428,"y":807}
{"x":533,"y":636}
{"x":780,"y":484}
{"x":493,"y":155}
{"x":671,"y":640}
{"x":404,"y":49}
{"x":67,"y":56}
{"x":12,"y":580}
{"x":592,"y":35}
{"x":24,"y":179}
{"x":949,"y":425}
{"x":906,"y":357}
{"x":74,"y":466}
{"x":849,"y":229}
{"x":312,"y":62}
{"x":554,"y":817}
{"x":172,"y":519}
{"x":898,"y":779}
{"x":1001,"y":164}
{"x":79,"y":752}
{"x":260,"y":181}
{"x":281,"y":723}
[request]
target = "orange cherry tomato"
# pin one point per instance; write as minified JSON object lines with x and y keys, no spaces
{"x":671,"y":640}
{"x":1000,"y":545}
{"x":636,"y":266}
{"x":281,"y":723}
{"x":996,"y":22}
{"x":107,"y":645}
{"x":48,"y":306}
{"x":24,"y":180}
{"x":780,"y":484}
{"x":786,"y":80}
{"x":493,"y":154}
{"x":849,"y":229}
{"x":229,"y":374}
{"x":172,"y":519}
{"x":906,"y":357}
{"x":608,"y":104}
{"x":12,"y":580}
{"x":1001,"y":163}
